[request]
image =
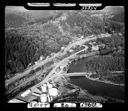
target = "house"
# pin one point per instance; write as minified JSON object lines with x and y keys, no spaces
{"x":53,"y":92}
{"x":82,"y":37}
{"x":95,"y":48}
{"x":26,"y":93}
{"x":41,"y":57}
{"x":49,"y":85}
{"x":43,"y":98}
{"x":29,"y":64}
{"x":71,"y":50}
{"x":44,"y":88}
{"x":35,"y":62}
{"x":62,"y":48}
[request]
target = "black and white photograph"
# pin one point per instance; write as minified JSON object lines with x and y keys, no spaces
{"x":73,"y":56}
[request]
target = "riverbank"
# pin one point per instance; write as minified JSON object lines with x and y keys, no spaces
{"x":104,"y":81}
{"x":99,"y":88}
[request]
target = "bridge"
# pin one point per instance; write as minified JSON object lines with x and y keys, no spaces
{"x":53,"y":72}
{"x":78,"y":74}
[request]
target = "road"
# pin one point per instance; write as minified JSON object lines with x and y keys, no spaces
{"x":39,"y":64}
{"x":63,"y":62}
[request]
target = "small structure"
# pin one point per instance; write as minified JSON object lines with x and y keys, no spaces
{"x":44,"y":88}
{"x":62,"y":48}
{"x":35,"y":62}
{"x":29,"y":64}
{"x":53,"y":92}
{"x":41,"y":57}
{"x":71,"y":50}
{"x":43,"y":98}
{"x":82,"y":37}
{"x":95,"y":48}
{"x":49,"y":85}
{"x":26,"y":93}
{"x":15,"y":101}
{"x":120,"y":34}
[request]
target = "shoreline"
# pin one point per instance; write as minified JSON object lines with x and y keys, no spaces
{"x":107,"y":82}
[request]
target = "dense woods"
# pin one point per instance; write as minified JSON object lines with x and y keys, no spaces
{"x":19,"y":51}
{"x":13,"y":20}
{"x":111,"y":57}
{"x":22,"y":47}
{"x":114,"y":45}
{"x":32,"y":37}
{"x":104,"y":63}
{"x":83,"y":23}
{"x":41,"y":38}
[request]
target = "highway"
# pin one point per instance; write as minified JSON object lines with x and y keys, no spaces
{"x":64,"y":62}
{"x":39,"y":64}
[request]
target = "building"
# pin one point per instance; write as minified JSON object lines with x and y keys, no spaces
{"x":48,"y":92}
{"x":44,"y":88}
{"x":82,"y":37}
{"x":26,"y":93}
{"x":15,"y":101}
{"x":41,"y":57}
{"x":49,"y":85}
{"x":53,"y":92}
{"x":62,"y":48}
{"x":95,"y":48}
{"x":71,"y":50}
{"x":44,"y":98}
{"x":35,"y":62}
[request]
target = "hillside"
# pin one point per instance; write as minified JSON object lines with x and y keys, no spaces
{"x":14,"y":20}
{"x":25,"y":45}
{"x":119,"y":17}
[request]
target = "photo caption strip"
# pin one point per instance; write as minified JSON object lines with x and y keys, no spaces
{"x":68,"y":6}
{"x":35,"y":104}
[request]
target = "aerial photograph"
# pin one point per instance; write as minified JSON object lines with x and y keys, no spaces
{"x":64,"y":55}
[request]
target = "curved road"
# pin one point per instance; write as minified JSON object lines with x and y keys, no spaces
{"x":63,"y":62}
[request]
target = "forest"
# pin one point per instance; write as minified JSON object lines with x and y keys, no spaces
{"x":25,"y":45}
{"x":111,"y":58}
{"x":22,"y":49}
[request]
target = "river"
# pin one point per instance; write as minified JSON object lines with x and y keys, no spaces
{"x":99,"y":88}
{"x":95,"y":87}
